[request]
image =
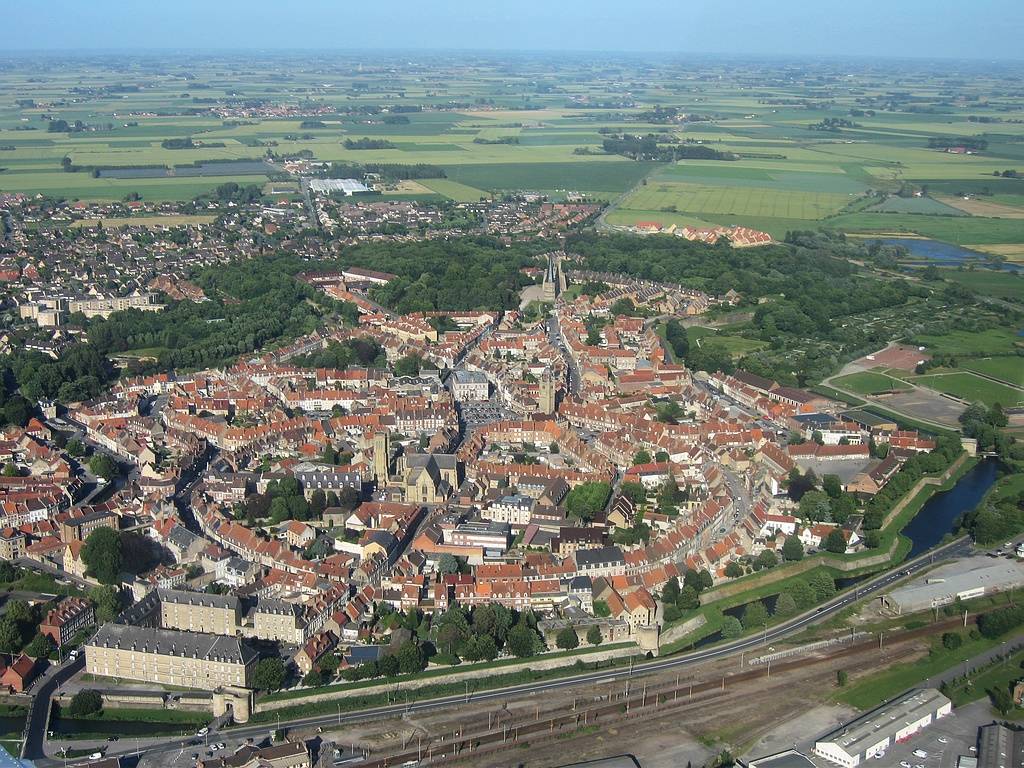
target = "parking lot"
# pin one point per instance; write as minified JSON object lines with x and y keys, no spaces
{"x":943,"y":741}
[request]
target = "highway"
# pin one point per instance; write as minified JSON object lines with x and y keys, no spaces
{"x":957,"y":548}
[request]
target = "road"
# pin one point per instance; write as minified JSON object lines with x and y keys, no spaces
{"x":35,"y":725}
{"x":797,"y":624}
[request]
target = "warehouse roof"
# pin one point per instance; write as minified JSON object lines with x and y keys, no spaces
{"x":886,"y":720}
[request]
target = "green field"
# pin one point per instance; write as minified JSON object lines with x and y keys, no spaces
{"x":999,"y":285}
{"x":737,"y":346}
{"x":993,"y":341}
{"x":460,"y":193}
{"x":870,"y":383}
{"x":1008,"y":369}
{"x":591,"y":176}
{"x":734,"y":200}
{"x":971,"y":388}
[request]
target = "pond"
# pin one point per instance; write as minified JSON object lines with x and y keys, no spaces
{"x":940,"y":512}
{"x":936,"y":250}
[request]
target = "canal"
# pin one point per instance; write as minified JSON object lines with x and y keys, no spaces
{"x":940,"y":512}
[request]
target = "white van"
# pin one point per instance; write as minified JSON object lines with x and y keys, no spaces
{"x":920,"y":753}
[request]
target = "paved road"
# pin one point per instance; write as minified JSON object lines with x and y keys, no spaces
{"x":954,"y":549}
{"x":35,"y":727}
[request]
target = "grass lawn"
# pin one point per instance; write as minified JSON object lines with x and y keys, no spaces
{"x":144,"y":715}
{"x":869,"y":383}
{"x":1002,"y":674}
{"x":993,"y":341}
{"x":1009,"y":369}
{"x":737,"y":346}
{"x":973,"y":388}
{"x":872,"y":690}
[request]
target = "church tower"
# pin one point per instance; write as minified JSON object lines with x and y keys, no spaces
{"x":382,"y":458}
{"x":546,"y":396}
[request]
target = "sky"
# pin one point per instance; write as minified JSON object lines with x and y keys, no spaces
{"x":982,"y":29}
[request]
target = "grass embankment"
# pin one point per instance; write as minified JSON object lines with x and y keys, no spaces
{"x":435,"y":672}
{"x":1000,"y":674}
{"x":140,"y":715}
{"x":874,"y":689}
{"x":432,"y":691}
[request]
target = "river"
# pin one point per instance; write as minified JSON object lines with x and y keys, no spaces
{"x":940,"y":512}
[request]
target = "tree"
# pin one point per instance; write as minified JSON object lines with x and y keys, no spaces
{"x":689,"y":599}
{"x":952,"y":640}
{"x":269,"y":674}
{"x":835,"y":541}
{"x":10,"y":469}
{"x":823,"y":586}
{"x":815,"y":506}
{"x":411,"y":658}
{"x":567,"y":639}
{"x":11,"y":639}
{"x":75,"y":448}
{"x":641,"y":457}
{"x":832,"y":485}
{"x":103,"y":556}
{"x":731,"y":628}
{"x":601,"y":609}
{"x":594,"y":636}
{"x":447,"y":563}
{"x":841,"y":678}
{"x":792,"y":549}
{"x":587,"y":499}
{"x":313,"y":679}
{"x":84,"y":703}
{"x":785,"y":605}
{"x":1001,"y":700}
{"x":766,"y":559}
{"x":408,"y":365}
{"x":754,"y":615}
{"x":389,"y":666}
{"x":107,"y":601}
{"x":317,"y":503}
{"x":520,"y":641}
{"x":103,"y":466}
{"x":38,"y":647}
{"x":635,"y":492}
{"x":670,"y":592}
{"x":802,"y":595}
{"x":733,"y":570}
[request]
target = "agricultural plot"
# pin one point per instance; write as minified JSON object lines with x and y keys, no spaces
{"x":971,"y":388}
{"x":737,"y":346}
{"x":870,"y":383}
{"x":460,"y":193}
{"x":733,"y":200}
{"x":998,"y":285}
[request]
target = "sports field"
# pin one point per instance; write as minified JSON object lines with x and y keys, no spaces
{"x":870,"y":383}
{"x":1009,"y":369}
{"x":971,"y":388}
{"x":993,"y":341}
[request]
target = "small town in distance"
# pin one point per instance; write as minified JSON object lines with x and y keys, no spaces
{"x":525,"y":406}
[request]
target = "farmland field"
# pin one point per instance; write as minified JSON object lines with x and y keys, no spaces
{"x":1000,"y":285}
{"x":769,"y":162}
{"x":740,"y":201}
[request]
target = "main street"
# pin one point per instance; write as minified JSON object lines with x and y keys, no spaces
{"x":954,"y":549}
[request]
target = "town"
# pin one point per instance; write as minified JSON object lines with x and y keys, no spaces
{"x":311,"y":460}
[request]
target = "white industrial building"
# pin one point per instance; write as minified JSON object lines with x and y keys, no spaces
{"x":874,"y":732}
{"x":348,"y":187}
{"x":948,"y":584}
